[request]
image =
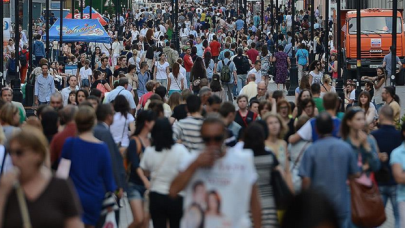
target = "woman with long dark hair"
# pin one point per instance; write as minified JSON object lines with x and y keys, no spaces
{"x":265,"y":58}
{"x":304,"y":94}
{"x":216,"y":87}
{"x":176,"y":80}
{"x":364,"y":146}
{"x":197,"y":73}
{"x":161,"y":160}
{"x":138,"y":183}
{"x":209,"y":65}
{"x":368,"y":107}
{"x":123,"y":120}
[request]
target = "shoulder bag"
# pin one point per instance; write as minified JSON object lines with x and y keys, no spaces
{"x":22,"y":203}
{"x":282,"y":194}
{"x":367,"y":207}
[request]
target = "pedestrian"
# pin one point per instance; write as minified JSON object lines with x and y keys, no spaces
{"x":244,"y":116}
{"x":91,"y":182}
{"x":81,"y":96}
{"x":368,"y":108}
{"x":265,"y":160}
{"x":282,"y":65}
{"x":44,"y":87}
{"x":378,"y":82}
{"x":315,"y":173}
{"x":123,"y":124}
{"x":39,"y":50}
{"x":388,"y":138}
{"x":227,"y":70}
{"x":388,"y":95}
{"x":197,"y":73}
{"x":387,"y":64}
{"x":302,"y":56}
{"x":212,"y":203}
{"x":138,"y":183}
{"x":315,"y":74}
{"x":187,"y":131}
{"x":176,"y":80}
{"x":122,"y":89}
{"x":28,"y":150}
{"x":161,"y":71}
{"x":161,"y":160}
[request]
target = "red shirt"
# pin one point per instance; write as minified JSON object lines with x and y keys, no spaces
{"x":145,"y":98}
{"x":215,"y":48}
{"x":252,"y":53}
{"x":59,"y":139}
{"x":188,"y":63}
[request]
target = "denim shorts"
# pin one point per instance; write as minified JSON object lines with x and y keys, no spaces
{"x":85,"y":83}
{"x":135,"y":192}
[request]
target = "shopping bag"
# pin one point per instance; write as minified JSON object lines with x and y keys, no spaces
{"x":110,"y":221}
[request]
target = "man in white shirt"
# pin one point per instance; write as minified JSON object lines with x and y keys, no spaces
{"x":85,"y":74}
{"x":144,"y":30}
{"x":72,"y":87}
{"x":257,"y":71}
{"x":350,"y":92}
{"x":122,"y":90}
{"x":250,"y":89}
{"x":116,"y":49}
{"x":214,"y":174}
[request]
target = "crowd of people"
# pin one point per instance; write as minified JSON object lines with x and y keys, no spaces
{"x":196,"y":137}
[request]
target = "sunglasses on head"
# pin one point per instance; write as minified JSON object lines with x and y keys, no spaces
{"x":217,"y":138}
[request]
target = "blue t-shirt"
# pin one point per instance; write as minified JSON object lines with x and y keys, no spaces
{"x":302,"y":55}
{"x":328,"y":163}
{"x":239,"y":24}
{"x":398,"y":157}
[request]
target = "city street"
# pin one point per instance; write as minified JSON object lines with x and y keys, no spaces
{"x":126,"y":215}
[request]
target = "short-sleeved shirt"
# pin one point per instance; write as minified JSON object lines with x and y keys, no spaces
{"x":316,"y":78}
{"x":229,"y":180}
{"x":120,"y":91}
{"x":388,"y":61}
{"x":188,"y":132}
{"x":398,"y":157}
{"x":175,"y":83}
{"x":107,"y":72}
{"x":57,"y":203}
{"x":302,"y":55}
{"x":319,"y":104}
{"x":328,"y":163}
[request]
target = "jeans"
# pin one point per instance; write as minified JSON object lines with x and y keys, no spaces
{"x":188,"y":79}
{"x":241,"y":82}
{"x":55,"y":53}
{"x":163,"y":208}
{"x":300,"y":71}
{"x":390,"y":192}
{"x":401,"y":207}
{"x":228,"y":89}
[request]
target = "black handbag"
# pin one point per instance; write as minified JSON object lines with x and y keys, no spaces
{"x":282,"y":194}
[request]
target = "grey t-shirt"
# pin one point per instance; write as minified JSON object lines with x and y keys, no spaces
{"x":328,"y":163}
{"x":387,"y":60}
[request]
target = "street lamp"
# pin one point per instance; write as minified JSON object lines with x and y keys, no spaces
{"x":294,"y":69}
{"x":358,"y":44}
{"x":394,"y":42}
{"x":340,"y":79}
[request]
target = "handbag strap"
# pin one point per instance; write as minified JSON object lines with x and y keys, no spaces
{"x":23,"y":207}
{"x":299,"y":155}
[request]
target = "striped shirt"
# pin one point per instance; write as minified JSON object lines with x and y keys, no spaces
{"x":188,"y":132}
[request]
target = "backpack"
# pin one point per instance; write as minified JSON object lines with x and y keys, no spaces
{"x":127,"y":164}
{"x":23,"y":58}
{"x":225,"y":72}
{"x":245,"y":64}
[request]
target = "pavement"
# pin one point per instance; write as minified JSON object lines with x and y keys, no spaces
{"x":126,"y":214}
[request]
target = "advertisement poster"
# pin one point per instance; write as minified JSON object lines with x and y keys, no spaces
{"x":6,"y":31}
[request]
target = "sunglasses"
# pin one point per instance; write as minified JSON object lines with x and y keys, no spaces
{"x":18,"y":152}
{"x":218,"y":138}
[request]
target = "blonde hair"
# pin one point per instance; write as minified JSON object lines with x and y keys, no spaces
{"x":85,"y":118}
{"x":283,"y":127}
{"x":8,"y":111}
{"x":326,"y":79}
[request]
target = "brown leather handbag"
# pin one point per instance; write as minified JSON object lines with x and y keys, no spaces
{"x":366,"y":205}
